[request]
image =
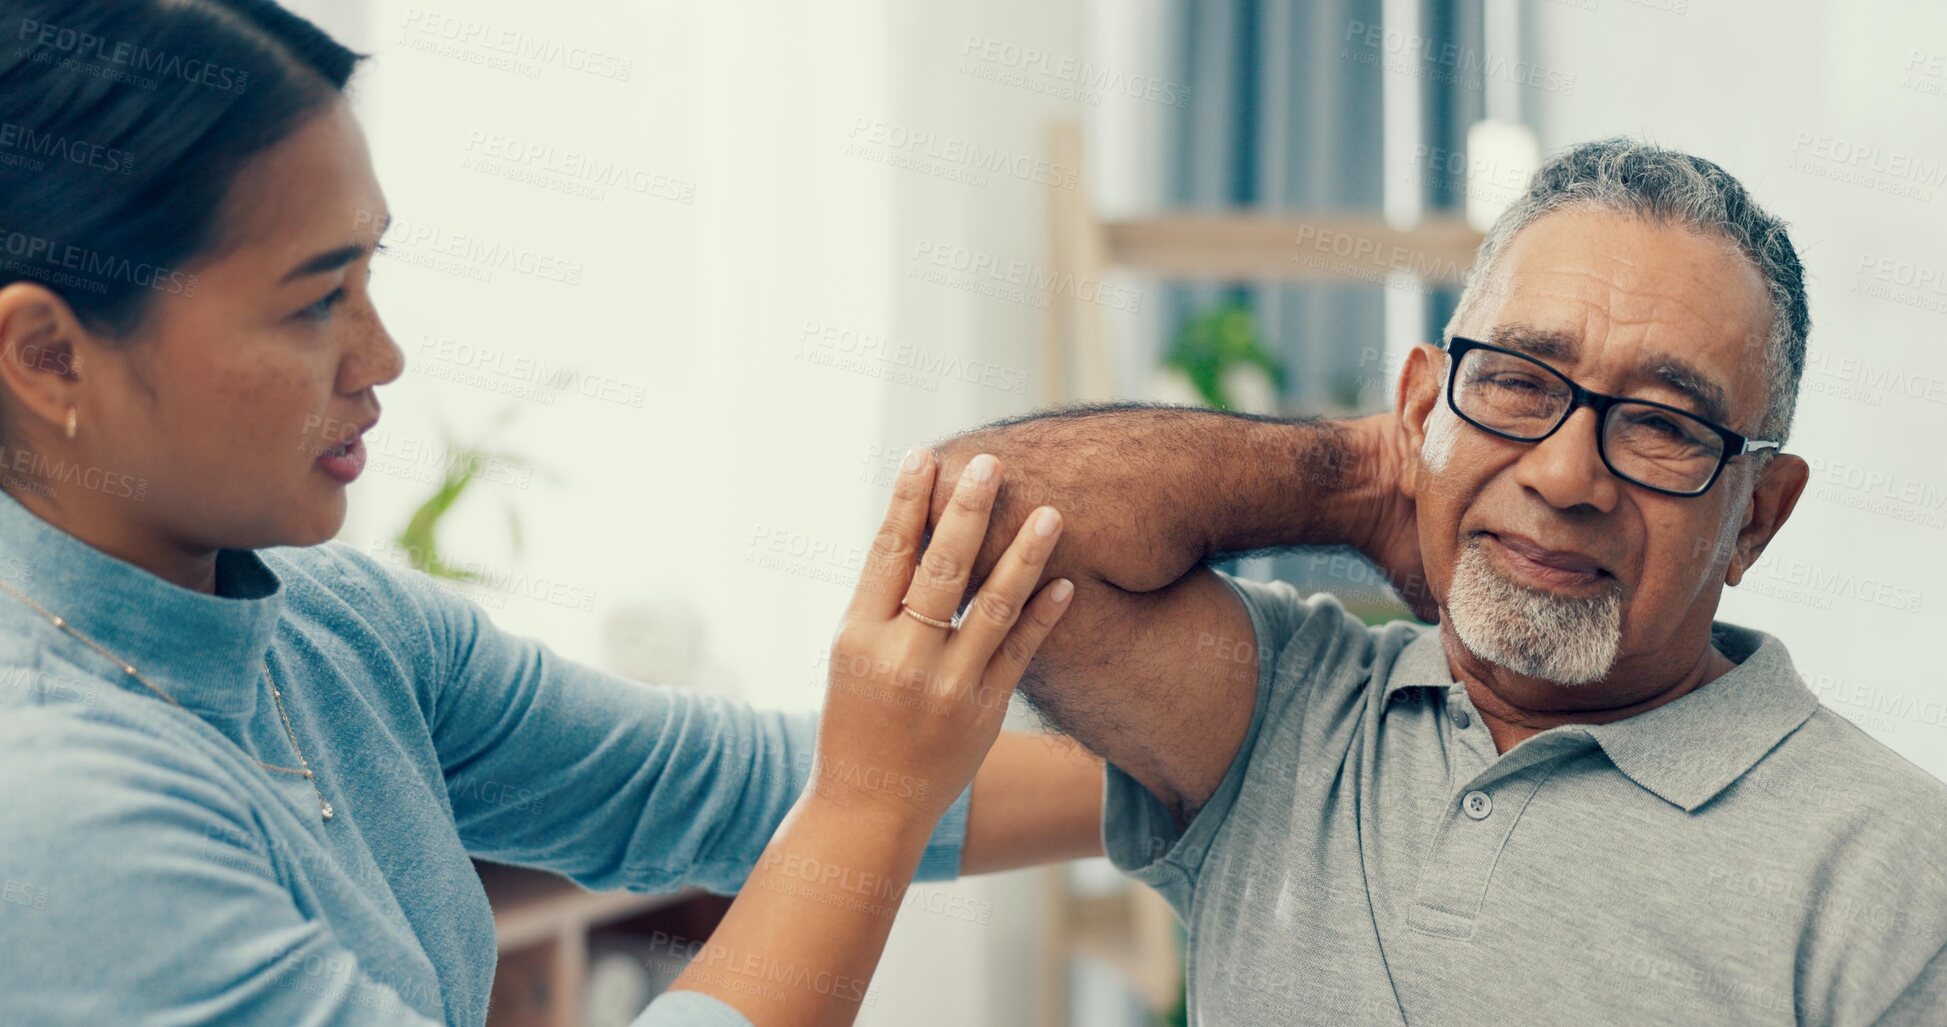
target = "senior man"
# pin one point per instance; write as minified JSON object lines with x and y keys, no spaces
{"x":1580,"y":798}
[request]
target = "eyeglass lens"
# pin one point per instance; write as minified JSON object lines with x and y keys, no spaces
{"x":1648,"y":444}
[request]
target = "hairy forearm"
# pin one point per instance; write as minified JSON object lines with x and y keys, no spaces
{"x":1147,"y":493}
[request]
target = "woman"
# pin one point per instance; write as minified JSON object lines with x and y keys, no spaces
{"x":244,"y":766}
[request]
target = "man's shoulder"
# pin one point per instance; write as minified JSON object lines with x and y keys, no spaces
{"x":1318,"y":658}
{"x":1304,"y":626}
{"x":1834,"y":771}
{"x":1856,"y":842}
{"x":1871,"y":764}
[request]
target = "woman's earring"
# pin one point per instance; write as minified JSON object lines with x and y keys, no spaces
{"x":72,"y":417}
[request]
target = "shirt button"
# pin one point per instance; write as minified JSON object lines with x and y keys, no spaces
{"x":1460,"y":718}
{"x":1477,"y":804}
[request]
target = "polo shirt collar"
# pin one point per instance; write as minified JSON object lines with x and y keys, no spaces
{"x":205,"y":650}
{"x":1687,"y":750}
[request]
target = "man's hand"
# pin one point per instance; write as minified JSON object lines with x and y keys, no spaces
{"x":1390,"y":533}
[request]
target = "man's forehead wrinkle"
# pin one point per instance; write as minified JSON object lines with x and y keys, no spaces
{"x":1624,"y":280}
{"x":1597,"y":322}
{"x":1625,"y":301}
{"x":1668,"y":317}
{"x":1673,"y":312}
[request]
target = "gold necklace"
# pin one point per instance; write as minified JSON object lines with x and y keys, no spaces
{"x":303,"y":770}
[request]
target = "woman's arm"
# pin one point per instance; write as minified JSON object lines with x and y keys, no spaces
{"x":910,"y":713}
{"x":615,"y":783}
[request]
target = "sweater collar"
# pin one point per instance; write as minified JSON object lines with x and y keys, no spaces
{"x":205,"y":650}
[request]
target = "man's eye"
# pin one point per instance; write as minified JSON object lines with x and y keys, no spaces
{"x":1664,"y":427}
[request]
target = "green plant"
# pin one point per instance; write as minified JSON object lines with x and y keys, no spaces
{"x":1212,"y":343}
{"x":419,"y":539}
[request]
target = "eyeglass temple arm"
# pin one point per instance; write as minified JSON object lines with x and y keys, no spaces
{"x":1753,"y":444}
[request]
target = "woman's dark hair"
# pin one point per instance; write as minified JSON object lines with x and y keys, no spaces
{"x":122,"y":125}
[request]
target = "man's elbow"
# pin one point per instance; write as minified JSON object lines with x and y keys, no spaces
{"x":1100,"y":541}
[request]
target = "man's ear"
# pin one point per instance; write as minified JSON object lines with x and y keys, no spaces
{"x":1419,"y":393}
{"x":1779,"y":486}
{"x":40,"y":366}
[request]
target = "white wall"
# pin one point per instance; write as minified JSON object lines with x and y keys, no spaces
{"x":1835,"y":116}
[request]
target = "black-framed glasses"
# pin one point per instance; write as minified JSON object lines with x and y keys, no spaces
{"x":1660,"y":447}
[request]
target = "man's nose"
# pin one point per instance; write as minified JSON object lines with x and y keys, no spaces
{"x":1565,"y":468}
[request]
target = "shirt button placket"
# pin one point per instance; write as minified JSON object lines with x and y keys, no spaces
{"x":1477,"y":804}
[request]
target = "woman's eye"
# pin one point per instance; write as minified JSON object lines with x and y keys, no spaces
{"x":321,"y":310}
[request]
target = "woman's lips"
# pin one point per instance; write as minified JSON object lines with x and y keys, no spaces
{"x":345,"y":463}
{"x":1544,"y":566}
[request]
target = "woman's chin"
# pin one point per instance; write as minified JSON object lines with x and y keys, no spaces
{"x":320,"y":524}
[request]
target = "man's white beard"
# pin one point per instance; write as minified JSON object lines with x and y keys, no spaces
{"x":1566,"y":639}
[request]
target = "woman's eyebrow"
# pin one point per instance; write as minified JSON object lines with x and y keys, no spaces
{"x":332,"y":260}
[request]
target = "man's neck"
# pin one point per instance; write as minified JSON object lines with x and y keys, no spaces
{"x":1516,"y":708}
{"x":121,"y":538}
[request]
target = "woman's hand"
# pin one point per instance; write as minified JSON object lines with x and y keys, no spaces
{"x":912,"y":708}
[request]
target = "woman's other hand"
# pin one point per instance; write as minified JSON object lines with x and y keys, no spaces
{"x":912,"y":708}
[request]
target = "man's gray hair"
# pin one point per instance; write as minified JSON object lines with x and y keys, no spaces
{"x":1630,"y":177}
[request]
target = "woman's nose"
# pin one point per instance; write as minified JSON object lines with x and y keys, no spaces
{"x":376,"y":360}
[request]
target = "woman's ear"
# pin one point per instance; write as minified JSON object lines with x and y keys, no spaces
{"x":40,"y":366}
{"x":1419,"y":393}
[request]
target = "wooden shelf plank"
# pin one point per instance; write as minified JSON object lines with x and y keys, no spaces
{"x":1293,"y":246}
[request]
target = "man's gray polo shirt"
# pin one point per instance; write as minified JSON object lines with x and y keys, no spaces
{"x":1740,"y":855}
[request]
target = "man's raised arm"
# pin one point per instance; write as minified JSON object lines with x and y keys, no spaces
{"x":1155,"y":665}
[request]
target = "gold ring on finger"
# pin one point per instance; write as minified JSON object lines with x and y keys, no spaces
{"x":924,"y":619}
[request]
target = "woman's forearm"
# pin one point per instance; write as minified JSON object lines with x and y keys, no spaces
{"x":801,"y":942}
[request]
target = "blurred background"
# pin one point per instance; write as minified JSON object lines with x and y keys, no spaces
{"x":678,"y":283}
